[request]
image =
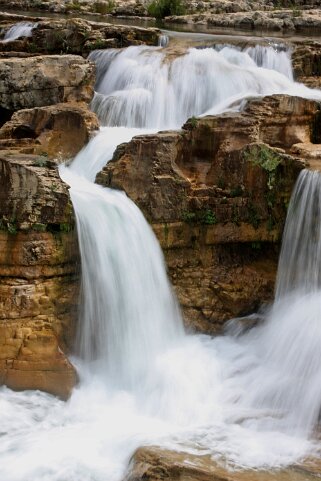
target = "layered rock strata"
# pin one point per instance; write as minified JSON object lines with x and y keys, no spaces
{"x":216,"y":194}
{"x":45,"y":117}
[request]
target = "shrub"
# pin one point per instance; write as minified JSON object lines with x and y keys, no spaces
{"x":165,"y":8}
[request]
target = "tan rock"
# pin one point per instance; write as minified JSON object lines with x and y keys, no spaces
{"x":157,"y":464}
{"x":40,"y":81}
{"x":216,"y":195}
{"x":59,"y":131}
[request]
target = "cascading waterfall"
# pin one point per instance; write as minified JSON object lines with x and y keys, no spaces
{"x":18,"y":30}
{"x":251,"y":401}
{"x":300,"y":259}
{"x":141,"y":87}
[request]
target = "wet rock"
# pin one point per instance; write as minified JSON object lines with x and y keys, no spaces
{"x":157,"y":464}
{"x":59,"y":131}
{"x":216,"y":195}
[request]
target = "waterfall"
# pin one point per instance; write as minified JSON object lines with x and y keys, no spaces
{"x":18,"y":30}
{"x":129,"y":312}
{"x":142,"y":87}
{"x":300,"y":259}
{"x":248,"y":401}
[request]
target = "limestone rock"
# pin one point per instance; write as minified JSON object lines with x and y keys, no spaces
{"x":158,"y":464}
{"x":58,"y":131}
{"x":216,"y":195}
{"x":38,"y":277}
{"x":40,"y":81}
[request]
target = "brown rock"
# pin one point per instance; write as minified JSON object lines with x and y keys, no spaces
{"x":216,"y":195}
{"x":158,"y":464}
{"x":59,"y":131}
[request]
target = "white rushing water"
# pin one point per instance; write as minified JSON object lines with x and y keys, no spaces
{"x":18,"y":30}
{"x":251,"y":400}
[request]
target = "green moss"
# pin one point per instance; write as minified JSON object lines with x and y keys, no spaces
{"x":265,"y":158}
{"x":39,"y":227}
{"x":9,"y":225}
{"x":203,"y":217}
{"x":193,"y":122}
{"x":256,"y":245}
{"x":65,"y":227}
{"x":41,"y":161}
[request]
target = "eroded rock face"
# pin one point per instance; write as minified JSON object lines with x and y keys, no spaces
{"x":306,"y":61}
{"x":58,"y":131}
{"x":39,"y":260}
{"x":37,"y":81}
{"x":38,"y":278}
{"x":216,"y":195}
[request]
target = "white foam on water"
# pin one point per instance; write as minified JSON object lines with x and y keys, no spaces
{"x":251,"y":400}
{"x":18,"y":30}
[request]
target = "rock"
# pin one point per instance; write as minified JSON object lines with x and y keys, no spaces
{"x":306,"y":61}
{"x":307,"y":21}
{"x":39,"y":81}
{"x":38,"y":277}
{"x":60,"y":131}
{"x":77,"y":36}
{"x":216,"y":195}
{"x":153,"y":463}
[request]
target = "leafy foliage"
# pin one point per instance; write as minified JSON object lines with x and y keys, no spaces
{"x":165,"y":8}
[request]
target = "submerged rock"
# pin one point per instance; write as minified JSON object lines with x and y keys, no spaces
{"x":156,"y":464}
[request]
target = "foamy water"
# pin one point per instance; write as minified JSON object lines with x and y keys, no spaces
{"x":251,"y":400}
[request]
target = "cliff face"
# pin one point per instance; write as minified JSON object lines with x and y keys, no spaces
{"x":46,"y":98}
{"x":216,"y":195}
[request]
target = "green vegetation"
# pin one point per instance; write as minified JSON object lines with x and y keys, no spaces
{"x":193,"y":122}
{"x":166,"y":8}
{"x":203,"y":217}
{"x":266,"y":158}
{"x":40,"y":161}
{"x":39,"y":227}
{"x":9,"y":225}
{"x":104,"y":7}
{"x":74,"y":6}
{"x":256,"y":245}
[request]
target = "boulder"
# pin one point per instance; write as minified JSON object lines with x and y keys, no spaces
{"x":57,"y":131}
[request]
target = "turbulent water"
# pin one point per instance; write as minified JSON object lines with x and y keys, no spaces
{"x":250,"y":400}
{"x":18,"y":30}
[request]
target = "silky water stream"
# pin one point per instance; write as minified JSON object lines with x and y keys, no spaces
{"x":251,"y":401}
